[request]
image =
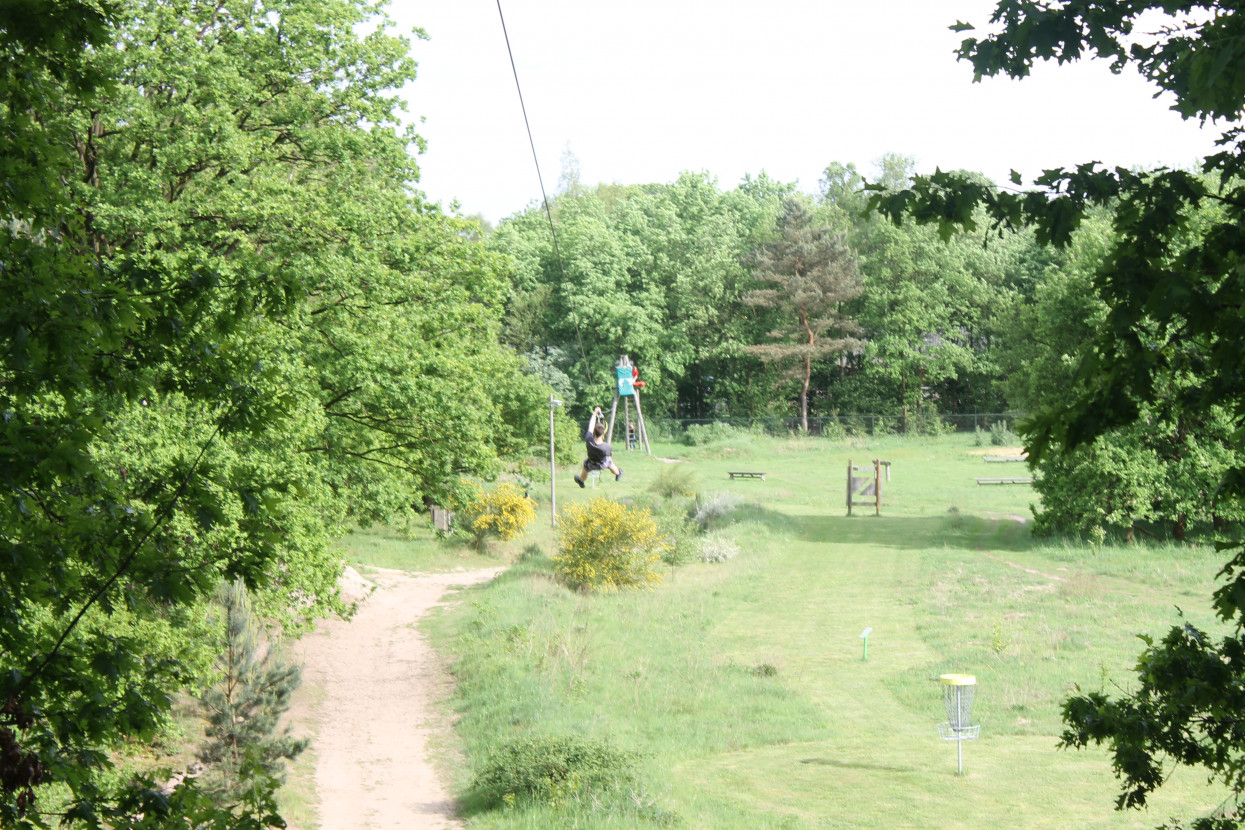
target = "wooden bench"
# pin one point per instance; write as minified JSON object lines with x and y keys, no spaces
{"x":746,"y":475}
{"x":1004,"y":481}
{"x":995,"y":459}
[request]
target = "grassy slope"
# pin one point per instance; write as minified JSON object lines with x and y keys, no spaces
{"x":829,"y":740}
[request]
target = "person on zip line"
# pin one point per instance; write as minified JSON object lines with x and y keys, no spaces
{"x":600,"y":455}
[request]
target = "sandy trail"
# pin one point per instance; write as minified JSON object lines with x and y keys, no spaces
{"x":378,"y":679}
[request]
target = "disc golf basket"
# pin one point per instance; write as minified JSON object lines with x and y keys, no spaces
{"x":957,"y":700}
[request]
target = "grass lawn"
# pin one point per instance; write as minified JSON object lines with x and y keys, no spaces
{"x":742,"y":685}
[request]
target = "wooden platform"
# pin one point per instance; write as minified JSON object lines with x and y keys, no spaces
{"x":746,"y":475}
{"x":995,"y":459}
{"x":1004,"y":481}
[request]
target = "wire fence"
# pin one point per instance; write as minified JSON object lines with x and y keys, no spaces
{"x":840,"y":425}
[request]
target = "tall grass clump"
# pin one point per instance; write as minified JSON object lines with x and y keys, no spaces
{"x":713,"y":507}
{"x":717,"y":548}
{"x":674,"y":481}
{"x":1002,"y":436}
{"x":604,"y":545}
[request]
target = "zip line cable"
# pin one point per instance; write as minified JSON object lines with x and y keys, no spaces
{"x":544,"y":196}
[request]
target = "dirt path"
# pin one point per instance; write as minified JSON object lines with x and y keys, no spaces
{"x":376,"y":678}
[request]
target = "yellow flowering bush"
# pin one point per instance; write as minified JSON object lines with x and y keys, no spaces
{"x":504,"y":512}
{"x":606,"y":545}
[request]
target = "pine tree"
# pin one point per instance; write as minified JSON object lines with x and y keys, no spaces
{"x":243,"y":750}
{"x":812,"y":273}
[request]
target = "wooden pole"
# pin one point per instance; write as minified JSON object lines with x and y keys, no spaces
{"x":877,"y":487}
{"x":553,"y":473}
{"x":609,"y":436}
{"x":627,"y":423}
{"x":849,"y":487}
{"x":639,"y":419}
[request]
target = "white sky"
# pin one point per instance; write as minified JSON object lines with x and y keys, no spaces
{"x":643,"y":90}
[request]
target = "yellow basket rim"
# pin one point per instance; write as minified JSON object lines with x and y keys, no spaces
{"x":958,"y":679}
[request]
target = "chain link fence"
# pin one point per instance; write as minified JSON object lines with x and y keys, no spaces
{"x":840,"y":425}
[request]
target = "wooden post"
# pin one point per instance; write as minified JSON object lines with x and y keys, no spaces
{"x":553,"y":472}
{"x":639,"y":419}
{"x":627,"y":423}
{"x":849,"y":487}
{"x":877,"y":487}
{"x":609,"y":435}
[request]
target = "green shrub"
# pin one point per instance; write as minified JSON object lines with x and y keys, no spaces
{"x":679,"y":532}
{"x":979,"y":437}
{"x":855,"y":425}
{"x":553,"y":770}
{"x":674,"y":481}
{"x":832,"y":429}
{"x":931,"y":425}
{"x":604,"y":544}
{"x":697,"y":435}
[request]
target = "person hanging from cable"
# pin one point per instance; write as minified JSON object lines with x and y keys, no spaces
{"x":600,"y":455}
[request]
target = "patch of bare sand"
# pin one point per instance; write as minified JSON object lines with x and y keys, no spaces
{"x":376,"y":679}
{"x":1006,"y":451}
{"x":1010,"y":516}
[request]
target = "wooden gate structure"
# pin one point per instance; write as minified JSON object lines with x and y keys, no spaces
{"x":866,"y":490}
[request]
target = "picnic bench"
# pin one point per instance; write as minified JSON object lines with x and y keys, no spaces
{"x":746,"y":475}
{"x":1004,"y":481}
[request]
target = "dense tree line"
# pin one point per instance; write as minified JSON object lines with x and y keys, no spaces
{"x":230,"y":327}
{"x":681,"y":276}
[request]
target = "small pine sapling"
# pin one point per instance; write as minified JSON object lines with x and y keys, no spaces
{"x":244,"y":751}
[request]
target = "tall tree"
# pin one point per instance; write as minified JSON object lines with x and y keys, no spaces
{"x":812,"y":274}
{"x":1173,"y":286}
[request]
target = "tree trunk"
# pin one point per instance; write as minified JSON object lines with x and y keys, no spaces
{"x":808,"y":371}
{"x":808,"y":375}
{"x":903,"y":396}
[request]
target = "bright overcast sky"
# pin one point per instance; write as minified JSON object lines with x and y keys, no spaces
{"x":643,"y":90}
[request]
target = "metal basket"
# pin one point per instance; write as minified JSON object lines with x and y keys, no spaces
{"x":957,"y":700}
